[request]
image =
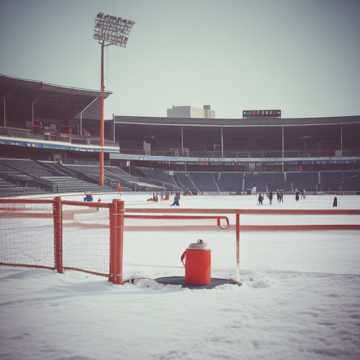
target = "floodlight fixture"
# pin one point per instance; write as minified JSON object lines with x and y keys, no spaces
{"x":112,"y":30}
{"x":108,"y":30}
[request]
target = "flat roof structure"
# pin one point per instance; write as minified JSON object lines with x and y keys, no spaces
{"x":53,"y":101}
{"x":240,"y":122}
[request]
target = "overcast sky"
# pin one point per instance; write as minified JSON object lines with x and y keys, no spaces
{"x":300,"y":56}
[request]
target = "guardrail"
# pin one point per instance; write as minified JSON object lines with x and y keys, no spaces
{"x":238,"y":212}
{"x":117,"y":214}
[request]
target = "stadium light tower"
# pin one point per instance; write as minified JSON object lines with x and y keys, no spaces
{"x":108,"y":30}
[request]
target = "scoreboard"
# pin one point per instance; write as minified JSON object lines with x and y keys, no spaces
{"x":261,"y":113}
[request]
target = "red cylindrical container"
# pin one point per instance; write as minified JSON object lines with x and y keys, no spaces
{"x":197,"y":264}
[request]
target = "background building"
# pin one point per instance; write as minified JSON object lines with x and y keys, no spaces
{"x":191,"y":112}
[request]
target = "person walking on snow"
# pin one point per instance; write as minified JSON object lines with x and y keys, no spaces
{"x":335,"y":202}
{"x":270,"y":196}
{"x":176,"y":201}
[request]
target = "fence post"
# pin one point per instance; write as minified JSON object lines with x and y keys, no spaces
{"x":116,"y":241}
{"x":237,"y":246}
{"x":111,"y":245}
{"x":58,"y":234}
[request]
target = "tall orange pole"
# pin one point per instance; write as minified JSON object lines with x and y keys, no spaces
{"x":58,"y":234}
{"x":237,"y":227}
{"x":117,"y":211}
{"x":120,"y":230}
{"x":101,"y":124}
{"x":237,"y":238}
{"x":112,"y":224}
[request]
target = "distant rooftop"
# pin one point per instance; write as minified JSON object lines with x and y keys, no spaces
{"x":240,"y":122}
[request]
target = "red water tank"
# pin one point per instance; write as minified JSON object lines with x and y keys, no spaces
{"x":197,"y":261}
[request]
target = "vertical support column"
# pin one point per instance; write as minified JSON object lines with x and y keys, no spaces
{"x":58,"y":234}
{"x":341,"y":140}
{"x":182,"y":140}
{"x":4,"y":111}
{"x":237,"y":246}
{"x":81,"y":124}
{"x":282,"y":148}
{"x":222,"y":141}
{"x":112,"y":212}
{"x":101,"y":123}
{"x":116,"y":241}
{"x":32,"y":114}
{"x":114,"y":129}
{"x":121,"y":216}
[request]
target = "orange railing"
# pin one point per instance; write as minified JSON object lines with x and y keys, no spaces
{"x":117,"y":214}
{"x":238,"y":212}
{"x":116,"y":225}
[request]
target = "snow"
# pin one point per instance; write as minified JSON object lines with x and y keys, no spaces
{"x":299,"y":299}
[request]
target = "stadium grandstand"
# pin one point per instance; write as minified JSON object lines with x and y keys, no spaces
{"x":49,"y":143}
{"x":261,"y":153}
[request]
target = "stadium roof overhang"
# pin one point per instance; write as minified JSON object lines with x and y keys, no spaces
{"x":51,"y":100}
{"x":241,"y":122}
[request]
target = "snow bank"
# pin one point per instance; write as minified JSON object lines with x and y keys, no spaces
{"x":299,"y":299}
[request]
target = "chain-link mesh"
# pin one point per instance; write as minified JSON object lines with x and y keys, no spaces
{"x":26,"y":234}
{"x":86,"y":237}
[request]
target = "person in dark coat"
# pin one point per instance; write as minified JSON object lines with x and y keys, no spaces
{"x":280,"y":196}
{"x":335,"y":202}
{"x":176,"y":201}
{"x":88,"y":198}
{"x":302,"y":191}
{"x":270,"y":196}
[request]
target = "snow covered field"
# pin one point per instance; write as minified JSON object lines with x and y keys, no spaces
{"x":299,"y":299}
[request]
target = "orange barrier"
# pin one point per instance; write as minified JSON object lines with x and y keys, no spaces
{"x":117,"y":214}
{"x":182,"y":217}
{"x":30,"y":213}
{"x":27,"y":214}
{"x":25,"y":201}
{"x":247,"y":211}
{"x":238,"y":212}
{"x":116,"y":224}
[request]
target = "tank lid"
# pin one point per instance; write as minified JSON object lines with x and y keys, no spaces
{"x":200,"y":244}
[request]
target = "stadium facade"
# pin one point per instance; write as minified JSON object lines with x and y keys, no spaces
{"x":56,"y":128}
